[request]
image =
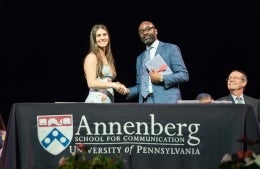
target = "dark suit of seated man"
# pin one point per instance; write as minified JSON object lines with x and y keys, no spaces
{"x":236,"y":84}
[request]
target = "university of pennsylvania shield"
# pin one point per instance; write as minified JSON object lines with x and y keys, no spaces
{"x":55,"y":132}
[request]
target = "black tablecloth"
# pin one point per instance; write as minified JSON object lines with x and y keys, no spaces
{"x":164,"y":136}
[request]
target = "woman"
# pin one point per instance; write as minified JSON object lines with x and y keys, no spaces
{"x":99,"y":67}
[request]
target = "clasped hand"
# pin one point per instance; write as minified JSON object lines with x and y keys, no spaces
{"x":121,"y":89}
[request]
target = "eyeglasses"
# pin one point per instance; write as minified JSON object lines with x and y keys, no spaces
{"x":147,"y":29}
{"x":234,"y":78}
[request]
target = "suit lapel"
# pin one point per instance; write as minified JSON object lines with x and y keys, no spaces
{"x":230,"y":98}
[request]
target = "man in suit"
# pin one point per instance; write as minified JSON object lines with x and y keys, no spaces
{"x":236,"y":84}
{"x":204,"y":98}
{"x":154,"y":86}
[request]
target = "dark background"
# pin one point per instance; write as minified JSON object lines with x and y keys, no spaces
{"x":43,"y":44}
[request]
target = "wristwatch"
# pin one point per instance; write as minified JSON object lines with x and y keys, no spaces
{"x":161,"y":78}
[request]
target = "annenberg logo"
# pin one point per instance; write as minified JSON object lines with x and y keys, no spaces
{"x":55,"y":132}
{"x":151,"y":128}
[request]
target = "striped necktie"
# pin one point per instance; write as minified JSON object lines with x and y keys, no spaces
{"x":239,"y":100}
{"x":145,"y":75}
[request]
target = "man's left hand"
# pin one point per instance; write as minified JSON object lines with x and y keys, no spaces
{"x":155,"y":76}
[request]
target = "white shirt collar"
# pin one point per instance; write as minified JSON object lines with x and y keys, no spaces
{"x":241,"y":96}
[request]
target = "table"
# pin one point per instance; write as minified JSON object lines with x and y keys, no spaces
{"x":147,"y":136}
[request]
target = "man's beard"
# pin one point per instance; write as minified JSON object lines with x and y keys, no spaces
{"x":148,"y":41}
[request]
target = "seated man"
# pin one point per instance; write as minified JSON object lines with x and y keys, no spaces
{"x":204,"y":98}
{"x":236,"y":84}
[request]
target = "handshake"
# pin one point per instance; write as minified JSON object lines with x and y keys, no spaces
{"x":120,"y":88}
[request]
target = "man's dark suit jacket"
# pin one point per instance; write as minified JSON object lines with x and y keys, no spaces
{"x":248,"y":100}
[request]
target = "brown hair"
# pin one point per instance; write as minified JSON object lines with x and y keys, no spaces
{"x":95,"y":49}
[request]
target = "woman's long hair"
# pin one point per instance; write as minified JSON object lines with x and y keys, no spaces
{"x":95,"y":49}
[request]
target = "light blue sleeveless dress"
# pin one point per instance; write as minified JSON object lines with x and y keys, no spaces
{"x":102,"y":95}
